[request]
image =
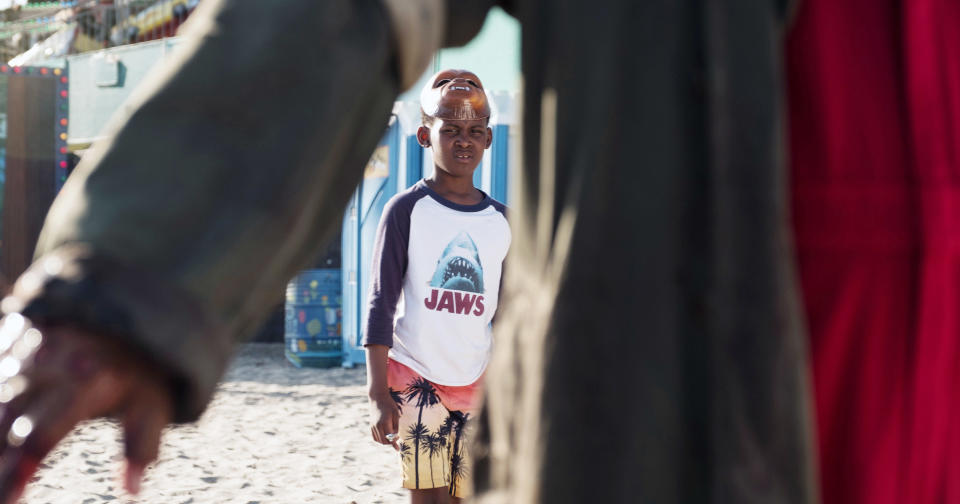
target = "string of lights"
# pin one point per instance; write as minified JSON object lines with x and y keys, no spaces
{"x":61,"y":110}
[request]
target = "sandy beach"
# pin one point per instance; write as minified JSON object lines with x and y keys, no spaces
{"x":273,"y":434}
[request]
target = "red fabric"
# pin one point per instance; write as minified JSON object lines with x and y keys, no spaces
{"x":874,"y":102}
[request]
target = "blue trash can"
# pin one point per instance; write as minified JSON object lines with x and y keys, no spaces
{"x":313,"y":319}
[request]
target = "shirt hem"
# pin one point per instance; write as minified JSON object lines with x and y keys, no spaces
{"x":416,"y":366}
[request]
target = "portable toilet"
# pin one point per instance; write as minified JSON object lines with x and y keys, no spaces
{"x":410,"y":171}
{"x":503,"y":124}
{"x":379,"y":184}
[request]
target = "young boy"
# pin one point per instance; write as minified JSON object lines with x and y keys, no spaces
{"x":436,"y":276}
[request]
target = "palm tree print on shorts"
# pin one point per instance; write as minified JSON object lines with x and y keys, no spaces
{"x":458,"y":467}
{"x":431,"y":448}
{"x":404,"y":450}
{"x":397,"y":397}
{"x":443,"y":432}
{"x":422,"y":394}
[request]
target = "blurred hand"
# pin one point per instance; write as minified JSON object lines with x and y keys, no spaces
{"x":385,"y":416}
{"x":53,"y":378}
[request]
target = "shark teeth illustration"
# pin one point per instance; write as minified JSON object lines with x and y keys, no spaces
{"x":459,"y":267}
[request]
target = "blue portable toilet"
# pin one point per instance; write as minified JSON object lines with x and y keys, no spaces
{"x":395,"y":165}
{"x":378,"y":185}
{"x":350,"y":335}
{"x":410,"y":171}
{"x":501,"y":151}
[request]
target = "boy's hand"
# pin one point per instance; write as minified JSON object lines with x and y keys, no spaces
{"x":385,"y":416}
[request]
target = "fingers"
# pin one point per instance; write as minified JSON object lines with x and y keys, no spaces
{"x":23,"y":443}
{"x":386,"y":437}
{"x":15,"y":477}
{"x":46,"y":389}
{"x":387,"y":415}
{"x":141,"y":446}
{"x":382,"y":432}
{"x":143,"y":423}
{"x":34,"y":430}
{"x":395,"y":429}
{"x":133,"y":477}
{"x":386,"y":428}
{"x":385,"y":431}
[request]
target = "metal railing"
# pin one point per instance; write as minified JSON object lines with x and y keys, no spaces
{"x":97,"y":25}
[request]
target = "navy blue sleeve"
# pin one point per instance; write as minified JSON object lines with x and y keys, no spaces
{"x":388,"y":269}
{"x":500,"y":207}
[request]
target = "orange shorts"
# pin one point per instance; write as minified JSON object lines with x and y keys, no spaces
{"x":434,"y":427}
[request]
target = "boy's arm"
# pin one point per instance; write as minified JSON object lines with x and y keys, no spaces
{"x":384,"y":412}
{"x":387,"y":270}
{"x":386,"y":285}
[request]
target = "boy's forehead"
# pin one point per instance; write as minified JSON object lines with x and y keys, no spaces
{"x":460,"y":123}
{"x":454,"y":94}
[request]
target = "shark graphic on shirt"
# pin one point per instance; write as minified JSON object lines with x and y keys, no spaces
{"x":459,"y":266}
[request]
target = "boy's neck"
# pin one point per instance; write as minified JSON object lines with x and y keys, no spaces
{"x":459,"y":190}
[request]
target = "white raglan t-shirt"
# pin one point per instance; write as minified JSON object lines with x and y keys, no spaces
{"x":435,"y":283}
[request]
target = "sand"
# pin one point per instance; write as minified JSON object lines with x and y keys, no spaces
{"x":273,"y":434}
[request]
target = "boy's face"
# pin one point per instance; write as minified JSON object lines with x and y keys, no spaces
{"x":458,"y":145}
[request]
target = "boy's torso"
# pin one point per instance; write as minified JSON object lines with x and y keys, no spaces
{"x":451,"y":286}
